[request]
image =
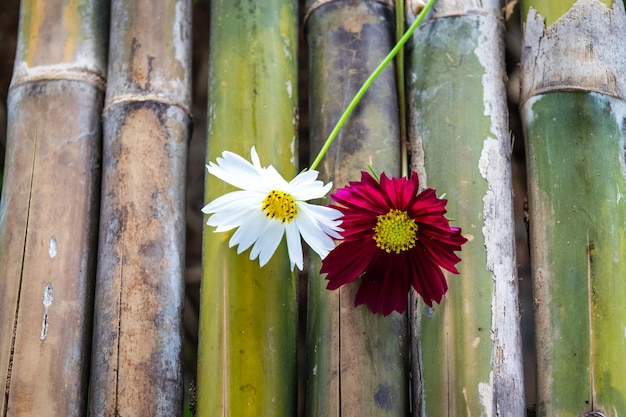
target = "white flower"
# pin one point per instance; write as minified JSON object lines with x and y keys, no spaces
{"x":267,"y":206}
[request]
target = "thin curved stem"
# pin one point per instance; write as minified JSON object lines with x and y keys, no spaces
{"x":369,"y":82}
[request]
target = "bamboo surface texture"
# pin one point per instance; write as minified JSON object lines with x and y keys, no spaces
{"x":573,"y":92}
{"x":466,"y":350}
{"x":136,"y":367}
{"x":48,"y":211}
{"x":357,"y":361}
{"x":248,"y":314}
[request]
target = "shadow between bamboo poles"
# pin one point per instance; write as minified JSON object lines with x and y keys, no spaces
{"x":248,"y":314}
{"x":357,"y":361}
{"x":467,"y":350}
{"x":136,"y":366}
{"x":573,"y":110}
{"x":48,"y":211}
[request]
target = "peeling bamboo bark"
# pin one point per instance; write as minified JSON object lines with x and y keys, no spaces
{"x":136,"y":366}
{"x":357,"y":362}
{"x":574,"y":113}
{"x":48,"y":211}
{"x":467,"y":350}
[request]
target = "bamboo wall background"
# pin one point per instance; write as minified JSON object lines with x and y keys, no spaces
{"x":195,"y":173}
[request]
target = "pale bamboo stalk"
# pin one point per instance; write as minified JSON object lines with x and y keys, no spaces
{"x":357,"y":360}
{"x":573,"y":110}
{"x":466,"y":352}
{"x":136,"y":365}
{"x":248,"y":314}
{"x":48,"y":209}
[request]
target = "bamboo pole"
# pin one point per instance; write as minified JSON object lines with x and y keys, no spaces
{"x":48,"y":209}
{"x":466,"y":351}
{"x":357,"y":361}
{"x":248,"y":314}
{"x":573,"y":92}
{"x":136,"y":365}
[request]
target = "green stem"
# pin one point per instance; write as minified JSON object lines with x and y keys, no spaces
{"x":369,"y":82}
{"x":404,"y":153}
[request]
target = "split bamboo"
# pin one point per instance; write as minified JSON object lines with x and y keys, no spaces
{"x":573,"y":110}
{"x":248,"y":314}
{"x":49,"y":205}
{"x":466,"y":351}
{"x":136,"y":365}
{"x":357,"y":361}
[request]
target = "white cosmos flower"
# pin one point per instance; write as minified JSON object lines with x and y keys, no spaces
{"x":267,"y":206}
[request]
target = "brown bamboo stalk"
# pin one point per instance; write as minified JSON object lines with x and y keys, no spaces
{"x":357,"y":360}
{"x":136,"y":365}
{"x":48,"y":211}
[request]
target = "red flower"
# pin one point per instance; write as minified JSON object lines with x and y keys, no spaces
{"x":394,"y":238}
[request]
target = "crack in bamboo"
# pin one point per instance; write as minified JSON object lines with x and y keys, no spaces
{"x":339,"y":353}
{"x":592,"y":393}
{"x":447,"y":309}
{"x":119,"y":327}
{"x":19,"y":293}
{"x":225,"y":341}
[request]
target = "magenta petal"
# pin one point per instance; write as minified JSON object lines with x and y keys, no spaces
{"x":428,"y":281}
{"x":399,"y":190}
{"x":384,"y":287}
{"x":345,"y":263}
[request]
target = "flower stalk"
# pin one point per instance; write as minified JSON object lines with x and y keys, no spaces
{"x":357,"y":97}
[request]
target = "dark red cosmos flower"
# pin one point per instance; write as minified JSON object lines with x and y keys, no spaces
{"x":395,"y":238}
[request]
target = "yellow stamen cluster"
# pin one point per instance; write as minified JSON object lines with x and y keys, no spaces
{"x":279,"y":205}
{"x":395,"y":231}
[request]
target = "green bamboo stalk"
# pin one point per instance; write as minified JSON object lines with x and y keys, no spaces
{"x":136,"y":365}
{"x":573,"y":92}
{"x":248,"y":314}
{"x":357,"y":361}
{"x":48,"y":209}
{"x":467,"y":350}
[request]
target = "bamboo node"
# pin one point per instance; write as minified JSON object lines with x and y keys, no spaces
{"x":138,"y":98}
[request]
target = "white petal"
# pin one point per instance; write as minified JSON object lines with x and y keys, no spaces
{"x":315,"y":231}
{"x":237,"y":171}
{"x":304,"y":178}
{"x":322,"y":212}
{"x":319,"y":241}
{"x":327,"y":218}
{"x":249,"y":232}
{"x":228,"y":219}
{"x":273,"y":179}
{"x":234,"y":199}
{"x":294,"y":245}
{"x":303,"y":188}
{"x":255,"y":158}
{"x":267,"y":243}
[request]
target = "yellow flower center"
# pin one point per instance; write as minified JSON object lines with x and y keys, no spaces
{"x":395,"y":231}
{"x":279,"y":205}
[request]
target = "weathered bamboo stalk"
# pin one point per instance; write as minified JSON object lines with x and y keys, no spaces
{"x":357,"y":361}
{"x":573,"y":109}
{"x":136,"y":366}
{"x":48,"y":211}
{"x":467,"y":350}
{"x":248,"y":314}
